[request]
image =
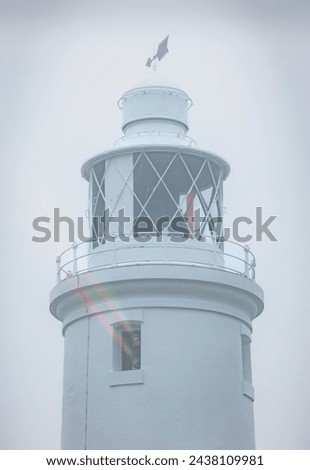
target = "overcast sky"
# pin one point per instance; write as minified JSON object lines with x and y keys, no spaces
{"x":64,"y":64}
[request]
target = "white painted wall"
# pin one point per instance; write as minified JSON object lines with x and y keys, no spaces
{"x":190,"y":392}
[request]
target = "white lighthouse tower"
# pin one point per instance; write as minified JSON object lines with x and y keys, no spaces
{"x":157,"y":309}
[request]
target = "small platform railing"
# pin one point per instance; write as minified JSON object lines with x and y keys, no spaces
{"x":188,"y":141}
{"x":226,"y":256}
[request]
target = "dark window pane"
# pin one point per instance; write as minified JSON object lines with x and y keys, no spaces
{"x":98,"y":204}
{"x":131,"y":350}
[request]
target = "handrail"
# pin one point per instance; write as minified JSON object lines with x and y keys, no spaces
{"x":70,"y":261}
{"x":185,"y":137}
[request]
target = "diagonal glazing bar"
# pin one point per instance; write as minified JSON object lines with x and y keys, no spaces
{"x":158,"y":183}
{"x":164,"y":184}
{"x":126,"y":180}
{"x":132,"y":191}
{"x":205,"y":206}
{"x":194,"y":180}
{"x":99,"y":186}
{"x":214,"y":198}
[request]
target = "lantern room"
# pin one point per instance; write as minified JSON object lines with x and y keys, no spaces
{"x":155,"y":178}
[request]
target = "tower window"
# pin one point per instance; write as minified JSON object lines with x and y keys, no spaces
{"x":131,"y":350}
{"x":127,"y":346}
{"x":247,"y":386}
{"x":246,"y":358}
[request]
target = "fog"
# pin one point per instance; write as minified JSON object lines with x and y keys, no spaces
{"x":64,"y":65}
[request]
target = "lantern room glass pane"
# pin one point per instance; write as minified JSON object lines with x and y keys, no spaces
{"x":97,"y":203}
{"x":182,"y":188}
{"x":174,"y":185}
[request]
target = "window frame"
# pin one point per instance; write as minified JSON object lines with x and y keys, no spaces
{"x":119,"y":376}
{"x":246,"y":339}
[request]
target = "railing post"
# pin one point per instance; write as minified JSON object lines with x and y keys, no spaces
{"x":165,"y":235}
{"x":74,"y":259}
{"x":253,"y":266}
{"x":58,"y":268}
{"x":213,"y":240}
{"x":114,"y":252}
{"x":247,"y":251}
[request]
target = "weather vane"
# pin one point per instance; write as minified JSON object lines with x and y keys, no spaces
{"x":162,"y":50}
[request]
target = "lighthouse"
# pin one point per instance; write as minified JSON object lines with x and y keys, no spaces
{"x":156,"y":307}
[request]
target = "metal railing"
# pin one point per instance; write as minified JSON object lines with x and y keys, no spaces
{"x":226,"y":256}
{"x":189,"y":141}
